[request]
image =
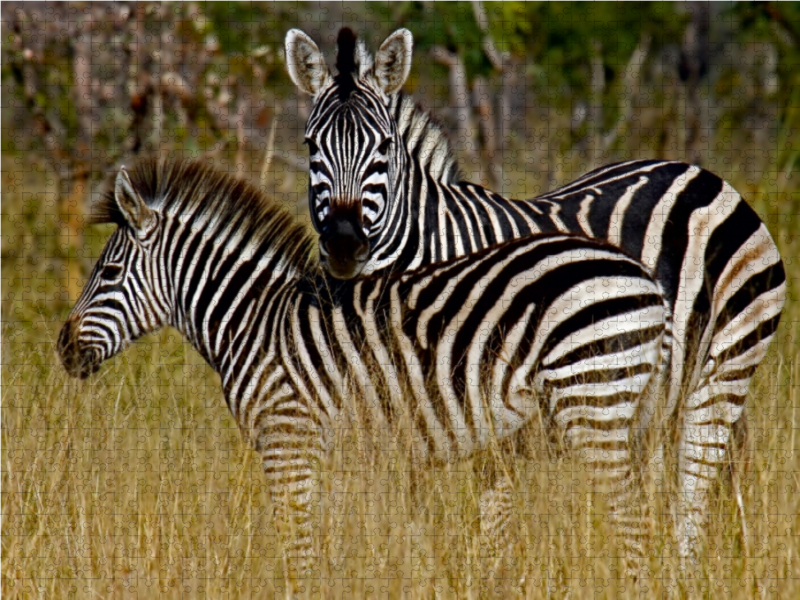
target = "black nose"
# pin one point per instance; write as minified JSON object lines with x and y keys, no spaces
{"x":345,"y":248}
{"x":65,"y":338}
{"x":76,"y":362}
{"x":345,"y":239}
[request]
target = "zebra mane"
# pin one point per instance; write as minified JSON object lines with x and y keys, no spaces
{"x":413,"y":117}
{"x":192,"y":189}
{"x":352,"y":62}
{"x":346,"y":63}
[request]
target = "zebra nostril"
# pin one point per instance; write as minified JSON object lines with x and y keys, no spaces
{"x":76,"y":362}
{"x":346,"y":247}
{"x":345,"y":240}
{"x":362,"y":252}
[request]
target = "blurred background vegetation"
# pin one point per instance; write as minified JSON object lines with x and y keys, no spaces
{"x":532,"y":94}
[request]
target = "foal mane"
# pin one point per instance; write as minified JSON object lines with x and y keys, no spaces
{"x":190,"y":189}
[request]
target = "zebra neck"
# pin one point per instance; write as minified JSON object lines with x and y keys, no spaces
{"x":231,"y":298}
{"x":424,"y":141}
{"x":430,"y":204}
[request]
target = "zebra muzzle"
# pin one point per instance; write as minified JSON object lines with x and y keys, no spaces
{"x":344,"y":248}
{"x":78,"y":362}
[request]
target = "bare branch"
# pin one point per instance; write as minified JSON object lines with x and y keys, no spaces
{"x":291,"y":159}
{"x":496,"y":57}
{"x":269,"y":151}
{"x":629,"y":92}
{"x":598,"y":84}
{"x":459,"y":98}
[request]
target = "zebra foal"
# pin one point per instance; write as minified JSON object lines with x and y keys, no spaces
{"x":558,"y":326}
{"x":385,"y":195}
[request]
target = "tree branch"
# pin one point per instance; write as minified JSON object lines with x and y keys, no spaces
{"x":496,"y":57}
{"x":459,"y":98}
{"x":630,"y":91}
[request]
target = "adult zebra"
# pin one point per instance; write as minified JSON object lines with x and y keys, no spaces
{"x":570,"y":330}
{"x":385,"y":195}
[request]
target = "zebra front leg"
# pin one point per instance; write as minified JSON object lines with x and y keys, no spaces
{"x":291,"y":454}
{"x":496,"y":504}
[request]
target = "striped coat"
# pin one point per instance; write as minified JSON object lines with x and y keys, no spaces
{"x":385,"y":195}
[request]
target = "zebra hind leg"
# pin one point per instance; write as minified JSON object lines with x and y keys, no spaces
{"x":706,"y":424}
{"x":496,"y":506}
{"x":498,"y":543}
{"x":613,"y":470}
{"x":601,"y":438}
{"x":739,"y":465}
{"x":704,"y":437}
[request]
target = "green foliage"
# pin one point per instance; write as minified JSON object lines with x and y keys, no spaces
{"x":776,"y":23}
{"x":555,"y":43}
{"x":244,"y":27}
{"x":447,"y":24}
{"x":558,"y":36}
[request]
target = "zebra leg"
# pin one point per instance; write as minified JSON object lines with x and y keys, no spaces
{"x":704,"y":437}
{"x":739,"y":465}
{"x":291,"y":454}
{"x":711,"y":411}
{"x":602,"y":438}
{"x":610,"y":464}
{"x":496,"y":514}
{"x":706,"y":426}
{"x":705,"y":433}
{"x":597,"y":421}
{"x":496,"y":506}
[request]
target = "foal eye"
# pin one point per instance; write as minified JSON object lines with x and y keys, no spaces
{"x":312,"y":147}
{"x":384,"y":147}
{"x":111,"y":272}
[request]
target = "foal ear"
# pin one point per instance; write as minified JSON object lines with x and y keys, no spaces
{"x":305,"y":63}
{"x":393,"y":61}
{"x":133,"y":209}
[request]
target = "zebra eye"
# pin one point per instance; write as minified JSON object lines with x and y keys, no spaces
{"x":312,"y":147}
{"x":384,"y":147}
{"x":111,"y":272}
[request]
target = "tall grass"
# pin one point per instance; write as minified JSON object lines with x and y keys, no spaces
{"x":137,"y":483}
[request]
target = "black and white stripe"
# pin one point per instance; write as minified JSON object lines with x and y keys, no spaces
{"x":720,"y":269}
{"x":448,"y":358}
{"x":361,"y":171}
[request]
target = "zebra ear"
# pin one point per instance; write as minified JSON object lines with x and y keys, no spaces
{"x":393,"y":61}
{"x":305,"y":63}
{"x":133,"y":209}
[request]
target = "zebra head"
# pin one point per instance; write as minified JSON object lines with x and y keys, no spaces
{"x":352,"y":139}
{"x":119,"y":302}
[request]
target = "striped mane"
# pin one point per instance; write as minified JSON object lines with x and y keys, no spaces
{"x":348,"y":59}
{"x":418,"y":118}
{"x":189,"y":189}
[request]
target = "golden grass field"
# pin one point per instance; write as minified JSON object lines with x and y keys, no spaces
{"x":136,"y":483}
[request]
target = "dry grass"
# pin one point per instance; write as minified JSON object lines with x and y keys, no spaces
{"x":137,"y":483}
